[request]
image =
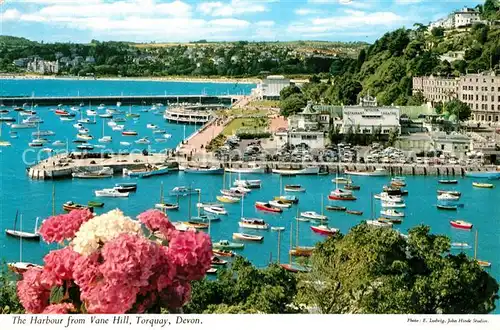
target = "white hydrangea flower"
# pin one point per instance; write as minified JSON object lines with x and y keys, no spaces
{"x":101,"y":229}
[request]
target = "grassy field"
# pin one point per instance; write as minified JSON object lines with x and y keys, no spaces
{"x":264,"y":103}
{"x":243,"y":124}
{"x":242,"y":112}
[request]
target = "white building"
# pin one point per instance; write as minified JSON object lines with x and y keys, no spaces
{"x":368,"y":116}
{"x":43,"y":67}
{"x":445,"y":23}
{"x":312,"y":118}
{"x":270,"y":87}
{"x":454,"y":144}
{"x":466,"y":17}
{"x":315,"y":140}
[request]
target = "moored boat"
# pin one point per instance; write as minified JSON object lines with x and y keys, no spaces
{"x":204,"y":170}
{"x":287,"y":199}
{"x":184,"y":191}
{"x":253,"y":223}
{"x":313,"y":215}
{"x":195,"y":224}
{"x":447,"y":207}
{"x":392,"y":213}
{"x":341,"y":195}
{"x":110,"y":193}
{"x":251,"y":168}
{"x":324,"y":230}
{"x":354,"y":212}
{"x":483,"y":175}
{"x":227,"y":245}
{"x":150,"y":170}
{"x":70,"y":206}
{"x":378,"y":223}
{"x":450,"y":192}
{"x":391,"y":204}
{"x":336,"y":208}
{"x":220,"y":210}
{"x":95,"y":204}
{"x":280,"y":204}
{"x":223,"y":253}
{"x":105,"y":172}
{"x":311,"y":170}
{"x":294,"y":188}
{"x":448,"y":197}
{"x":248,"y":183}
{"x":129,"y":133}
{"x":248,"y":237}
{"x":302,"y":251}
{"x":461,"y":224}
{"x":448,"y":181}
{"x":376,"y":172}
{"x":482,"y":185}
{"x":263,"y":206}
{"x":228,"y":199}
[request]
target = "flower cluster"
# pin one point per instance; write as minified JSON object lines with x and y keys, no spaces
{"x":110,"y":266}
{"x":63,"y":227}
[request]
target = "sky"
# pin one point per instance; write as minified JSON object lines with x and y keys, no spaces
{"x":216,"y":20}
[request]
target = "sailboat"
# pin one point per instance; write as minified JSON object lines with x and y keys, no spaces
{"x":2,"y":142}
{"x":132,"y":115}
{"x":300,"y":251}
{"x":104,"y":138}
{"x":21,"y":266}
{"x":22,"y":234}
{"x":481,"y":263}
{"x":290,"y":266}
{"x":166,"y":206}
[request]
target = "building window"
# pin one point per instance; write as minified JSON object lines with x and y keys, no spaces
{"x":492,"y":107}
{"x":442,"y":147}
{"x":482,"y":117}
{"x":492,"y":98}
{"x":489,"y":118}
{"x":496,"y":117}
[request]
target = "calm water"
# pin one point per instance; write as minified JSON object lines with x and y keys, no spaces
{"x":33,"y":198}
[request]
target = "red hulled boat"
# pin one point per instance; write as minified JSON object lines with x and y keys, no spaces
{"x":461,"y":224}
{"x":267,"y":207}
{"x":324,"y":230}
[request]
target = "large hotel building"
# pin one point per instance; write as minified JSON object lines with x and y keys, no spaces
{"x":480,"y":91}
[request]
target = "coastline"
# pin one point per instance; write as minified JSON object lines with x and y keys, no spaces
{"x":220,"y":80}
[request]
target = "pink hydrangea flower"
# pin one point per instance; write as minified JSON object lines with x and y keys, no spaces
{"x":63,"y":308}
{"x":107,"y":298}
{"x":63,"y":227}
{"x":155,"y":220}
{"x":32,"y":293}
{"x":59,"y":265}
{"x":191,"y":253}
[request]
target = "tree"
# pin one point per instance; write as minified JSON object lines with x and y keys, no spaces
{"x":9,"y":303}
{"x":314,"y":79}
{"x":292,"y":104}
{"x":242,"y":288}
{"x":376,"y":270}
{"x":458,"y":108}
{"x":417,"y":99}
{"x":437,"y":32}
{"x":334,"y":135}
{"x":288,"y":91}
{"x":393,"y":136}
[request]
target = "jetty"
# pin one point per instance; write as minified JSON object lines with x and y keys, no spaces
{"x":63,"y":165}
{"x":123,"y":99}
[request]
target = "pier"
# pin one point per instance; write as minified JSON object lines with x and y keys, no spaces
{"x":114,"y":99}
{"x":64,"y":165}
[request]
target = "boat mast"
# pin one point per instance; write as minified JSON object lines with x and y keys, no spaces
{"x":242,"y":198}
{"x":199,"y":201}
{"x":189,"y":204}
{"x":161,"y":193}
{"x":291,"y":242}
{"x":297,"y":232}
{"x":53,"y":199}
{"x":36,"y":225}
{"x":21,"y":239}
{"x":279,"y":247}
{"x":15,"y":220}
{"x":475,"y":247}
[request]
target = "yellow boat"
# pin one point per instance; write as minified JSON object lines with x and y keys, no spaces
{"x":340,"y":180}
{"x":195,"y":225}
{"x":228,"y":199}
{"x":482,"y":185}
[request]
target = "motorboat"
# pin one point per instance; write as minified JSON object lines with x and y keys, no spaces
{"x":101,"y":107}
{"x":448,"y":197}
{"x":95,"y":204}
{"x":313,"y":215}
{"x":228,"y":199}
{"x":482,"y":185}
{"x":33,"y":120}
{"x":167,"y":136}
{"x":294,"y":188}
{"x":83,"y":131}
{"x":101,"y":173}
{"x":223,"y":253}
{"x":124,"y":143}
{"x":280,"y":204}
{"x":262,"y":206}
{"x":143,"y":141}
{"x":390,"y":220}
{"x":375,"y":172}
{"x":391,"y":204}
{"x":151,"y":126}
{"x":392,"y":213}
{"x":70,"y":206}
{"x":248,"y":237}
{"x":85,"y":146}
{"x":302,"y":251}
{"x":159,"y":131}
{"x":150,"y":170}
{"x":121,"y":188}
{"x":450,"y":192}
{"x":84,"y":121}
{"x":118,"y":128}
{"x":91,"y":113}
{"x":34,"y":144}
{"x":354,"y":212}
{"x":218,"y":262}
{"x":251,"y":168}
{"x":253,"y":223}
{"x":483,"y":175}
{"x":184,"y":191}
{"x":167,"y":206}
{"x":206,"y":218}
{"x":324,"y":230}
{"x":105,"y":139}
{"x":195,"y":224}
{"x":62,"y":112}
{"x":394,"y":191}
{"x":21,"y":267}
{"x":220,"y":210}
{"x":113,"y":192}
{"x":291,"y":199}
{"x":67,"y":119}
{"x":43,"y":133}
{"x":351,"y":187}
{"x":78,"y":126}
{"x":447,"y":207}
{"x":277,"y":228}
{"x":336,"y":208}
{"x":240,"y":190}
{"x":461,"y":224}
{"x":248,"y":183}
{"x":106,"y":115}
{"x":232,"y":193}
{"x":311,"y":170}
{"x":378,"y":223}
{"x":204,"y":170}
{"x":448,"y":181}
{"x":385,"y":197}
{"x":129,"y":133}
{"x":227,"y":245}
{"x":23,"y":126}
{"x":86,"y":137}
{"x":340,"y":180}
{"x":458,"y":245}
{"x":342,"y":195}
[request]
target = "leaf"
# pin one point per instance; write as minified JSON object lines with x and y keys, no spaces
{"x":56,"y":295}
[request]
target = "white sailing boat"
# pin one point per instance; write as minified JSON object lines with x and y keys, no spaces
{"x":22,"y":234}
{"x":21,"y":266}
{"x":104,"y":138}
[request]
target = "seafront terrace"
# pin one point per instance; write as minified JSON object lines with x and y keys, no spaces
{"x":113,"y":99}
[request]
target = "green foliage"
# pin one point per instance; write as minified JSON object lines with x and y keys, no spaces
{"x":292,"y":104}
{"x":216,"y":143}
{"x":393,"y":136}
{"x":437,"y":31}
{"x":375,"y":270}
{"x":245,"y":289}
{"x":56,"y":294}
{"x":9,"y":303}
{"x":458,"y":108}
{"x":289,"y":91}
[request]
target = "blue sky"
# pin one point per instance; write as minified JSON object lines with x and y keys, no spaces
{"x":187,"y":20}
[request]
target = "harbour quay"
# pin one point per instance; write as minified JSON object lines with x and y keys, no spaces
{"x":114,"y":99}
{"x":62,"y":166}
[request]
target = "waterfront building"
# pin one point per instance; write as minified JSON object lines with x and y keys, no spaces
{"x":43,"y":67}
{"x":313,"y":139}
{"x":435,"y":88}
{"x":312,"y":118}
{"x":367,"y":116}
{"x":270,"y":87}
{"x":453,"y":144}
{"x":194,"y":114}
{"x":482,"y":93}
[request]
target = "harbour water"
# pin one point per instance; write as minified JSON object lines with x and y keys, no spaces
{"x":34,"y":198}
